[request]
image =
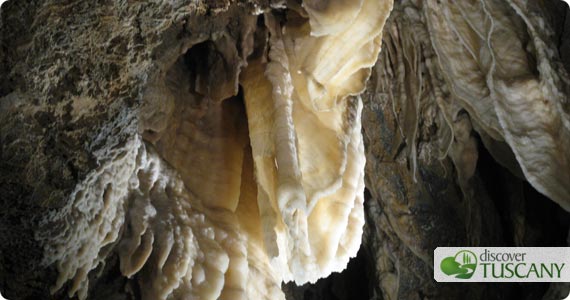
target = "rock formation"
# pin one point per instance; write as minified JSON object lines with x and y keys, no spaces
{"x":217,"y":149}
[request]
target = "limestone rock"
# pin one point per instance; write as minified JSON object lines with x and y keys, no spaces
{"x":216,"y":149}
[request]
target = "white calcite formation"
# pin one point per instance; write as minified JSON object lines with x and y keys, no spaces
{"x":306,"y":142}
{"x":216,"y":202}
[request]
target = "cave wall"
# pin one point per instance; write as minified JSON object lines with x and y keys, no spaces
{"x":72,"y":80}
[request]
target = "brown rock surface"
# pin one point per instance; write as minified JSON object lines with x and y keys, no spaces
{"x":73,"y":80}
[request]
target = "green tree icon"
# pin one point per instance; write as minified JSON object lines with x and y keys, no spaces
{"x":462,"y":265}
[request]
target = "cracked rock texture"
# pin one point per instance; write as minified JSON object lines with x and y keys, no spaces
{"x":464,"y":121}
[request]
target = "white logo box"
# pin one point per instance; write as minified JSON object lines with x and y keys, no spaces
{"x":551,"y":264}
